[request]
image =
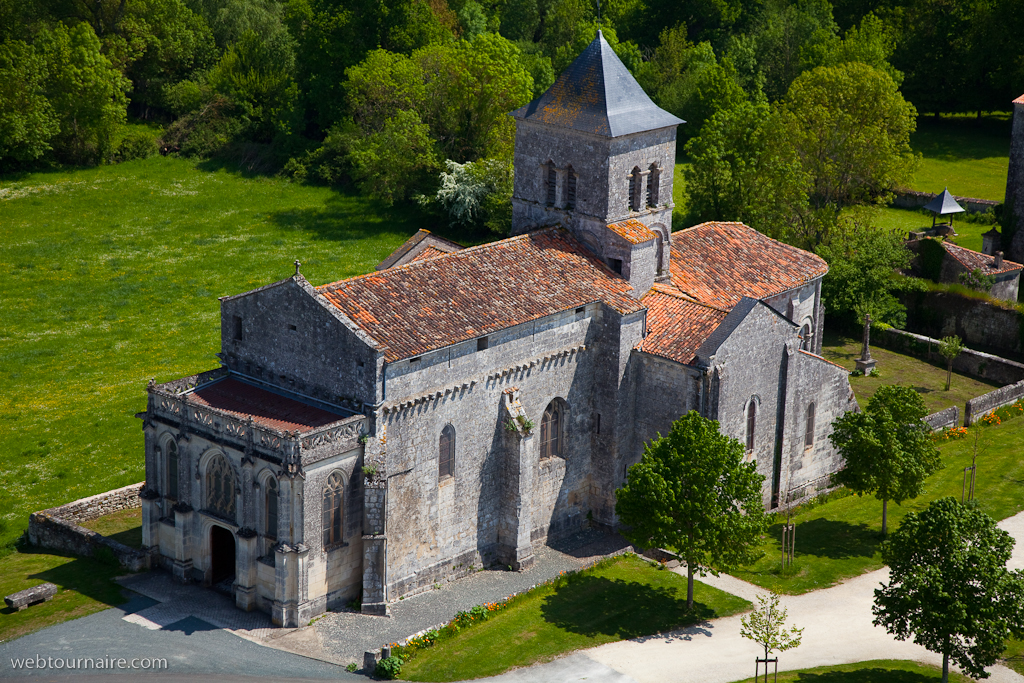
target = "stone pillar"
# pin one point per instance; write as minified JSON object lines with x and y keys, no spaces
{"x":515,"y":518}
{"x":866,"y":363}
{"x":151,"y":513}
{"x":245,"y":569}
{"x":182,"y":567}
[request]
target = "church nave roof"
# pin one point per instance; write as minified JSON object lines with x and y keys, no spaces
{"x":677,"y":325}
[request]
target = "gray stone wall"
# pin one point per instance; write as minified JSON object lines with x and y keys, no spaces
{"x":86,"y":509}
{"x":977,"y":407}
{"x":292,"y":339}
{"x":969,"y":362}
{"x":801,"y":305}
{"x":944,"y":418}
{"x":978,"y":322}
{"x":1006,"y":286}
{"x":913,"y":199}
{"x":667,"y":391}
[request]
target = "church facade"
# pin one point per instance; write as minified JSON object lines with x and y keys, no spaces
{"x":368,"y":438}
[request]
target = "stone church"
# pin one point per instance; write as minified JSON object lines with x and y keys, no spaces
{"x":367,"y":438}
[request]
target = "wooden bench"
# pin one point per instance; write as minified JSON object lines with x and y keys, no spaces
{"x":30,"y":596}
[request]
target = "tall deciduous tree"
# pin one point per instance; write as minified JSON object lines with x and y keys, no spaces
{"x":693,"y":492}
{"x":27,"y":121}
{"x":851,"y":129}
{"x":949,"y":586}
{"x":888,"y":449}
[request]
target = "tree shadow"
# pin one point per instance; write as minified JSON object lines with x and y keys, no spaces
{"x":832,"y":539}
{"x":190,"y":625}
{"x":592,"y":606}
{"x":958,"y":139}
{"x":866,"y":676}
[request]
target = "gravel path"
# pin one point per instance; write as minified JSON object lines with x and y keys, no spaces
{"x":345,"y":636}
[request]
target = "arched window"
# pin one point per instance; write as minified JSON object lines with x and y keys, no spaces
{"x":270,"y":521}
{"x":653,"y":184}
{"x":635,"y":189}
{"x":333,"y":497}
{"x":220,"y":487}
{"x":805,"y":337}
{"x":446,"y":453}
{"x":172,"y":469}
{"x":552,"y":181}
{"x":570,"y":188}
{"x":809,"y":432}
{"x":552,"y":426}
{"x":751,"y":423}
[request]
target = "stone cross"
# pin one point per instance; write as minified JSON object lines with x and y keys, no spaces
{"x":866,"y":363}
{"x":297,"y":264}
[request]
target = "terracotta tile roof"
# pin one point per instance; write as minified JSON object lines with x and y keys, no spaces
{"x":428,"y":253}
{"x":972,"y":260}
{"x":427,"y":305}
{"x":676,"y":324}
{"x":1019,"y":100}
{"x":422,"y":240}
{"x":265,"y":407}
{"x":633,"y":231}
{"x":718,"y":263}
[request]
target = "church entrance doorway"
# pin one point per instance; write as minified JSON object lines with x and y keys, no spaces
{"x":222,"y":558}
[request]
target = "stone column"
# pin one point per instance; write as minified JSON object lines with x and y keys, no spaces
{"x":151,"y":513}
{"x":515,"y":519}
{"x":284,"y":611}
{"x":866,"y":363}
{"x":182,"y":567}
{"x":245,"y":569}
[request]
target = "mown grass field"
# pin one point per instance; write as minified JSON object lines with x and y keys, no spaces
{"x":874,"y":671}
{"x":622,"y":598}
{"x":110,"y":276}
{"x":965,"y":154}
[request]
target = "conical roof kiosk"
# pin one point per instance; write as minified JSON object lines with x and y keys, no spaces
{"x":944,"y":205}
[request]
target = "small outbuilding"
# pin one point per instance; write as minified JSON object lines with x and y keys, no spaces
{"x":944,"y":205}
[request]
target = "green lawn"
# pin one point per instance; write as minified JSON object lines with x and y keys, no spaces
{"x":968,"y":234}
{"x":124,"y":526}
{"x":622,"y":598}
{"x":875,"y":671}
{"x":839,"y":539}
{"x":895,"y":368}
{"x":968,"y":156}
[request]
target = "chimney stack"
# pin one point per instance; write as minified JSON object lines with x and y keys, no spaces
{"x":999,"y":260}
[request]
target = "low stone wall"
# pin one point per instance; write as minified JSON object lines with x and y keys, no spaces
{"x":950,"y":417}
{"x":980,"y":405}
{"x":58,"y":528}
{"x":969,"y":362}
{"x":998,"y":327}
{"x":912,"y":199}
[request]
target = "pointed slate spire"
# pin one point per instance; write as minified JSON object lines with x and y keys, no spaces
{"x":944,"y":204}
{"x":597,"y":94}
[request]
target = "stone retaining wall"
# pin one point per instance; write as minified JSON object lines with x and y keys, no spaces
{"x":998,"y":327}
{"x":912,"y":199}
{"x":58,"y":528}
{"x":950,"y":417}
{"x":980,"y":405}
{"x":969,"y":362}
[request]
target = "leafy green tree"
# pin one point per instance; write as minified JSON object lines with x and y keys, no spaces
{"x":86,"y":92}
{"x":887,"y":448}
{"x":851,"y":129}
{"x":766,"y":626}
{"x":390,"y":164}
{"x":863,"y":272}
{"x":741,"y":170}
{"x":27,"y":121}
{"x":872,"y":42}
{"x":692,"y":492}
{"x":950,"y":348}
{"x":949,"y":587}
{"x":477,"y":193}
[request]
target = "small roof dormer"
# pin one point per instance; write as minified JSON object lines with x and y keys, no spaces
{"x":598,"y":95}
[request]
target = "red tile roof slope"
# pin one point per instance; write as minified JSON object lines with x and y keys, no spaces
{"x":633,"y":231}
{"x":677,"y":325}
{"x":971,"y":260}
{"x":719,"y":263}
{"x":428,"y":253}
{"x":430,"y":304}
{"x":1019,"y":100}
{"x":265,"y":407}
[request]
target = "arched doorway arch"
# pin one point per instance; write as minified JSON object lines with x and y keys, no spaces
{"x":222,"y":556}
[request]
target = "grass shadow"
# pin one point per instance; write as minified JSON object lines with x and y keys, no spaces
{"x":960,"y":138}
{"x":593,"y":606}
{"x":835,"y":540}
{"x":865,"y":676}
{"x":88,"y":576}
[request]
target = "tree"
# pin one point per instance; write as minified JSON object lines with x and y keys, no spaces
{"x":27,"y":121}
{"x":766,"y":626}
{"x":949,"y":586}
{"x":692,"y":492}
{"x":864,"y":264}
{"x":950,"y":348}
{"x":888,"y":449}
{"x":851,"y":128}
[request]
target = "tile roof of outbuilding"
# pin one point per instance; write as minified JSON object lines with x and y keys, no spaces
{"x":972,"y":260}
{"x":266,"y":408}
{"x":422,"y":240}
{"x":633,"y":231}
{"x":426,"y":305}
{"x":718,"y":263}
{"x":597,"y":94}
{"x":428,"y":253}
{"x":1019,"y":100}
{"x":676,"y":324}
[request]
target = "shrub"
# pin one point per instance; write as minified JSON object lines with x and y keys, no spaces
{"x":135,"y":145}
{"x":977,"y":280}
{"x":991,"y":419}
{"x":389,"y":668}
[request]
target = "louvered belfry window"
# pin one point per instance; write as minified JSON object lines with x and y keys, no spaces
{"x":332,"y":509}
{"x":221,"y":481}
{"x":446,"y":454}
{"x":634,"y":179}
{"x":653,"y":185}
{"x":570,"y":188}
{"x":551,"y":183}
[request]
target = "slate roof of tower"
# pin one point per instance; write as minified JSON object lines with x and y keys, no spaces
{"x":720,"y":263}
{"x":426,"y":305}
{"x":972,"y":260}
{"x":597,"y":94}
{"x":264,"y":407}
{"x":676,"y":324}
